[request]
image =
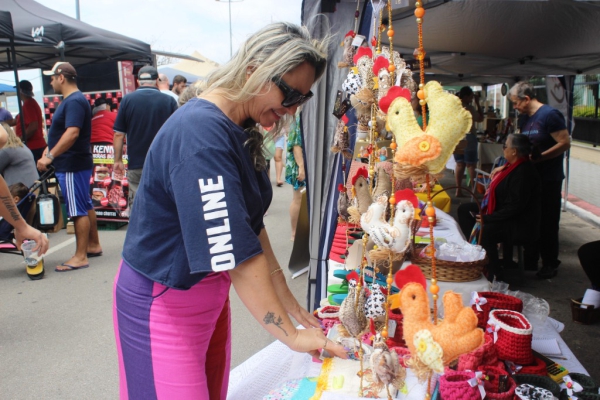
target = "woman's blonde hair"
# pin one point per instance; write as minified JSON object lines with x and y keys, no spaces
{"x":270,"y":53}
{"x":13,"y":140}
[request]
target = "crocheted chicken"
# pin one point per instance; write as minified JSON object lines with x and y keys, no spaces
{"x":352,"y":309}
{"x":348,"y":50}
{"x":447,"y":124}
{"x":456,"y":334}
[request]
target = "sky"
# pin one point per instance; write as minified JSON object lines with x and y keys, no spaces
{"x":176,"y":26}
{"x":182,"y":26}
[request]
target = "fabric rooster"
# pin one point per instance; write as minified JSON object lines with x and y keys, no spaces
{"x":348,"y":50}
{"x":352,"y":310}
{"x":448,"y":124}
{"x":341,"y":139}
{"x":395,"y":236}
{"x":457,"y":334}
{"x":361,"y":198}
{"x":385,"y":367}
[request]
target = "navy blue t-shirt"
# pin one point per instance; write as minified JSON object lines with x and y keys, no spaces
{"x":74,"y":111}
{"x":200,"y":205}
{"x":538,"y":127}
{"x":140,"y":116}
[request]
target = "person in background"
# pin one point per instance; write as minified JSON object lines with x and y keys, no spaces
{"x":70,"y":152}
{"x":509,"y":209}
{"x":163,"y":86}
{"x":6,"y":116}
{"x":34,"y":124}
{"x":16,"y":160}
{"x":11,"y":214}
{"x":294,"y":171}
{"x":278,"y":157}
{"x":179,"y":84}
{"x":140,"y":116}
{"x":103,"y":121}
{"x":269,"y":145}
{"x":209,"y":190}
{"x":469,"y":158}
{"x":545,"y":127}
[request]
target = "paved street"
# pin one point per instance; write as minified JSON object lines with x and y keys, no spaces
{"x":56,"y":335}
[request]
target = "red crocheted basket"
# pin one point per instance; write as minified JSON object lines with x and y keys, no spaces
{"x":485,"y":354}
{"x":455,"y":385}
{"x":508,"y":395}
{"x":495,"y":301}
{"x":329,"y":317}
{"x":538,"y":367}
{"x":514,"y":333}
{"x":398,"y":339}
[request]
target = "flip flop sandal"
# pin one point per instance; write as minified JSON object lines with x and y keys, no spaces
{"x":70,"y":267}
{"x":338,"y":288}
{"x":338,"y":298}
{"x":341,"y":273}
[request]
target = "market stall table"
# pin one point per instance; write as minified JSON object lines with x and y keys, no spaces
{"x":441,"y":199}
{"x":276,"y":364}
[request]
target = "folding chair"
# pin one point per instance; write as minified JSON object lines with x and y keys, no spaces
{"x":483,"y":178}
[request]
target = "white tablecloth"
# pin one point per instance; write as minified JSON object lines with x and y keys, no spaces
{"x":275,"y":364}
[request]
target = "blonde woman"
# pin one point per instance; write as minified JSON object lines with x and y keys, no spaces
{"x":208,"y":190}
{"x":16,"y":160}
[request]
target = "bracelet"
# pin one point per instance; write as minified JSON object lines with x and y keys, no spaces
{"x":276,"y":271}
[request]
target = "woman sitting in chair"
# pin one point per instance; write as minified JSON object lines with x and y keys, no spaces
{"x":510,"y":207}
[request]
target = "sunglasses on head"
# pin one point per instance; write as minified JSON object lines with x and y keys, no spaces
{"x":292,"y":97}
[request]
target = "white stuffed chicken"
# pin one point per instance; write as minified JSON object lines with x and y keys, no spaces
{"x":396,"y":236}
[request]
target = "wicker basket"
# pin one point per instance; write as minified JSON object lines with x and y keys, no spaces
{"x":586,"y":316}
{"x":448,"y":271}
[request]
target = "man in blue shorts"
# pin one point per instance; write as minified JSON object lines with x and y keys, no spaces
{"x":69,"y":151}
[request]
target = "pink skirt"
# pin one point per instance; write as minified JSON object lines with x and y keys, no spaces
{"x":172,"y":344}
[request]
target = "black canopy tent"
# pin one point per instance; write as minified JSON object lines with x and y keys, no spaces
{"x":34,"y":36}
{"x":43,"y":36}
{"x":468,"y":42}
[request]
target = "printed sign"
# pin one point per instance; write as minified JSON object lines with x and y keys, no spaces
{"x":109,"y":189}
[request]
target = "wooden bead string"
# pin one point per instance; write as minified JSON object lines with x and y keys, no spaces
{"x":390,"y":33}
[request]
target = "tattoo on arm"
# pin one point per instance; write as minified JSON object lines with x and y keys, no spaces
{"x":10,"y":206}
{"x":270,"y":319}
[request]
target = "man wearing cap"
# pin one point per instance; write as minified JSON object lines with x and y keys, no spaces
{"x":141,"y":114}
{"x":34,"y":124}
{"x":69,"y":151}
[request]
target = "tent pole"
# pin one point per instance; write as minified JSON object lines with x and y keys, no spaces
{"x":13,"y":60}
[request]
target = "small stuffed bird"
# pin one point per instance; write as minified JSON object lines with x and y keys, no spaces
{"x":383,"y":184}
{"x":375,"y":215}
{"x":352,"y":310}
{"x":385,"y":367}
{"x":361,"y":199}
{"x":395,"y":237}
{"x":343,"y":202}
{"x":374,"y":307}
{"x":348,"y":50}
{"x":341,"y":139}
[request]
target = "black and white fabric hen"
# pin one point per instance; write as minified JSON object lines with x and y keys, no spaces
{"x":375,"y":303}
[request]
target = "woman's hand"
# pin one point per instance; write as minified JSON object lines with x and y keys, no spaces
{"x":289,"y":302}
{"x":496,"y":170}
{"x":311,"y":340}
{"x":27,"y":232}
